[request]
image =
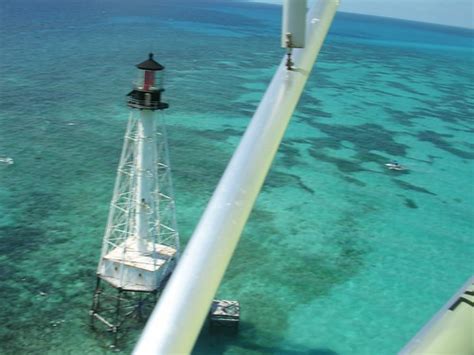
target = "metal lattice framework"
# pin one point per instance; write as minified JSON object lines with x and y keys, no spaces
{"x":124,"y":247}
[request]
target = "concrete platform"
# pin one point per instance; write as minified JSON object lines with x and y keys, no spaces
{"x":128,"y":268}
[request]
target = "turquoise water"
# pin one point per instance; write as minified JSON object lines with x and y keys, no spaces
{"x":340,"y":255}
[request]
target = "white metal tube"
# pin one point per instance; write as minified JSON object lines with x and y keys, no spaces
{"x":427,"y":335}
{"x":178,"y":317}
{"x":145,"y":161}
{"x":293,"y":24}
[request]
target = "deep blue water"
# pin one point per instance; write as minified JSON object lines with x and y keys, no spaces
{"x":340,"y":255}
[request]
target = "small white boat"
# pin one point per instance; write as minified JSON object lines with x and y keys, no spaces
{"x":395,"y":166}
{"x":6,"y":160}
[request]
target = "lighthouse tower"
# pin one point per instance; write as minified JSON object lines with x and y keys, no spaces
{"x":141,"y":243}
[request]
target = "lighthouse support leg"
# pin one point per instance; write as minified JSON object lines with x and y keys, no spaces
{"x":117,"y":322}
{"x":95,"y":303}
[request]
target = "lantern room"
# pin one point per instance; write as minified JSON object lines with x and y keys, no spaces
{"x":149,"y":86}
{"x":152,"y":76}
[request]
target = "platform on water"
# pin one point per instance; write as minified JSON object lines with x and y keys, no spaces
{"x":224,"y":315}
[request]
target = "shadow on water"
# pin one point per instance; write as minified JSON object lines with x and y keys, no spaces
{"x":219,"y":343}
{"x":270,"y":290}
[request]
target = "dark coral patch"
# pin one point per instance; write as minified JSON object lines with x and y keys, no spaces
{"x":403,"y":87}
{"x":19,"y":240}
{"x":219,"y":135}
{"x":279,"y":179}
{"x":288,"y":154}
{"x":402,"y":117}
{"x":407,"y":186}
{"x":365,"y":137}
{"x":354,"y":181}
{"x":439,"y":141}
{"x":410,"y":203}
{"x":343,"y":165}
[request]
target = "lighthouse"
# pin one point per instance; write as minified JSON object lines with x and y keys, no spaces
{"x":141,"y":243}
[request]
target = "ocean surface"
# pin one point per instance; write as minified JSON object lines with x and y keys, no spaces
{"x":340,"y":255}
